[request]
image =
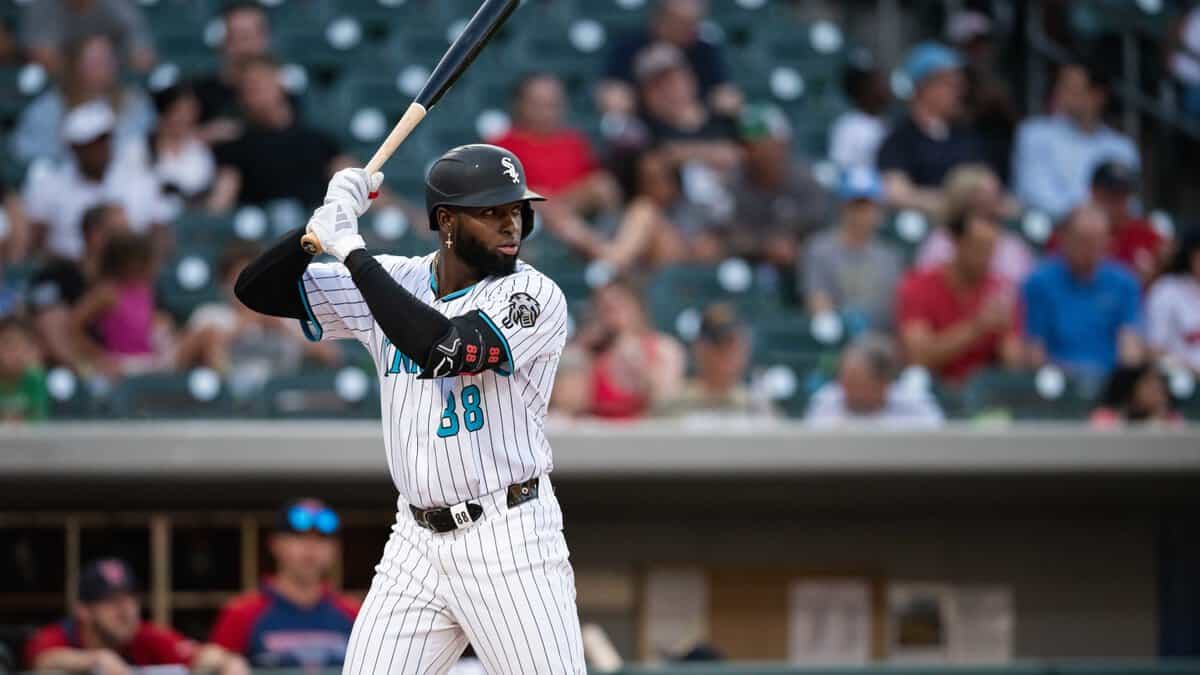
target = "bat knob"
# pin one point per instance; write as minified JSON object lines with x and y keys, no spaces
{"x":310,"y":244}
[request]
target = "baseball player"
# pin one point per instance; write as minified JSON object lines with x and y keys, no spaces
{"x":466,"y":341}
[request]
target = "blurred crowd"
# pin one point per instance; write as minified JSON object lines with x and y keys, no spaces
{"x":688,"y":170}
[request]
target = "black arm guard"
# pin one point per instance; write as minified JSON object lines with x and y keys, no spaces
{"x":268,"y":285}
{"x":471,"y":346}
{"x":443,"y":347}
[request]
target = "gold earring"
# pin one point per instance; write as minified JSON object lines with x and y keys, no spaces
{"x":449,"y":240}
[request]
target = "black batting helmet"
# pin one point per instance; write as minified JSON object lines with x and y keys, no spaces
{"x":479,"y":175}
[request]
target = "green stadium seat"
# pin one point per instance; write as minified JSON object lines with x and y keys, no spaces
{"x":347,"y":393}
{"x":568,"y":271}
{"x":188,"y":281}
{"x":678,"y":293}
{"x":383,"y":19}
{"x":907,"y":231}
{"x":199,"y":394}
{"x":800,"y":333}
{"x":618,"y":15}
{"x":18,"y":86}
{"x":70,"y":396}
{"x":201,"y":228}
{"x":1017,"y":395}
{"x":395,"y":232}
{"x":170,"y":18}
{"x":806,"y":372}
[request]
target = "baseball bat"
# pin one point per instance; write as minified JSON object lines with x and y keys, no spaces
{"x":487,"y":20}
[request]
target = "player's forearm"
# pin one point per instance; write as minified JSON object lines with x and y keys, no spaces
{"x":269,"y":284}
{"x":411,"y":325}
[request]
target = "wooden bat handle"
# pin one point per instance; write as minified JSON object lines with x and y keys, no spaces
{"x":409,"y":121}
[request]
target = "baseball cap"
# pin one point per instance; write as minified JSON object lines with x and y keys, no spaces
{"x":657,"y":59}
{"x":302,"y":516}
{"x":87,"y":122}
{"x":1115,"y":176}
{"x":860,"y":182}
{"x":930,"y":58}
{"x":761,"y":120}
{"x":718,"y":323}
{"x":104,"y":578}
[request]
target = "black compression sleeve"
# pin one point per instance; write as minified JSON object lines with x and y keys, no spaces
{"x":412,"y":326}
{"x":270,"y":284}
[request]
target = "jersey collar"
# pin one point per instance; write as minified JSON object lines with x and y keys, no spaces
{"x":433,"y":284}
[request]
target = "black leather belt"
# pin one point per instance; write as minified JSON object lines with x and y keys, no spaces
{"x":451,"y":518}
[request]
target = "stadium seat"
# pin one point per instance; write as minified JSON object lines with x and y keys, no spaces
{"x":188,"y":281}
{"x":18,"y":86}
{"x":803,"y":333}
{"x":680,"y":291}
{"x":567,"y":271}
{"x":619,"y":15}
{"x":199,"y":394}
{"x":202,"y":228}
{"x":70,"y":395}
{"x":792,"y":377}
{"x":906,"y":230}
{"x":394,"y":232}
{"x":1021,"y":397}
{"x":347,"y":393}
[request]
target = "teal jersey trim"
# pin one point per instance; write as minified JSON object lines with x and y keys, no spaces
{"x":503,"y":340}
{"x":311,"y":327}
{"x":433,"y":286}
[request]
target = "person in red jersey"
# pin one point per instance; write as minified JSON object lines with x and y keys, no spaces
{"x":106,"y":635}
{"x":294,"y":619}
{"x":1134,"y":243}
{"x":558,"y":159}
{"x":957,"y":318}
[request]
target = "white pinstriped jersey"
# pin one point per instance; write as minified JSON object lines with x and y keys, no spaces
{"x":453,"y":439}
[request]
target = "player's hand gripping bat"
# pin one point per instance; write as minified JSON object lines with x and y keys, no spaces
{"x":487,"y":20}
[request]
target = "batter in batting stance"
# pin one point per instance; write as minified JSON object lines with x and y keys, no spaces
{"x":466,"y":341}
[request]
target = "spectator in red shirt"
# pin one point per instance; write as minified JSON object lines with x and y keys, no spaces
{"x":295,"y":620}
{"x":558,"y":159}
{"x":634,"y":368}
{"x":106,"y":634}
{"x":959,"y":317}
{"x":1135,"y":242}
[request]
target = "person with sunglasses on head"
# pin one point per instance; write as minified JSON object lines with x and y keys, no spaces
{"x":295,"y":619}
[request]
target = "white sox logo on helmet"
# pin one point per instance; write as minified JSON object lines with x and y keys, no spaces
{"x":510,"y":170}
{"x":523,"y":311}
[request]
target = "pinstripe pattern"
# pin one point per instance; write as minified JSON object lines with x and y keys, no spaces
{"x":429,"y":470}
{"x":504,"y":585}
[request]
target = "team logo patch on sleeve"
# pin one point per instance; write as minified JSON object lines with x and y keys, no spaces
{"x":523,"y":311}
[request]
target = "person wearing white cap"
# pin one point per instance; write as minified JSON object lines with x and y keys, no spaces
{"x":57,"y":196}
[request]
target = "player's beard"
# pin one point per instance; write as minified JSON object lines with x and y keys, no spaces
{"x":483,"y":259}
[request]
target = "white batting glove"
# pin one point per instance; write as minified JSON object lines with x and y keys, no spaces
{"x":354,"y":188}
{"x":336,"y":227}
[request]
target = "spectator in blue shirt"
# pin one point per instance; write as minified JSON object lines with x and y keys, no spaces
{"x":1081,"y":311}
{"x":1056,"y":154}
